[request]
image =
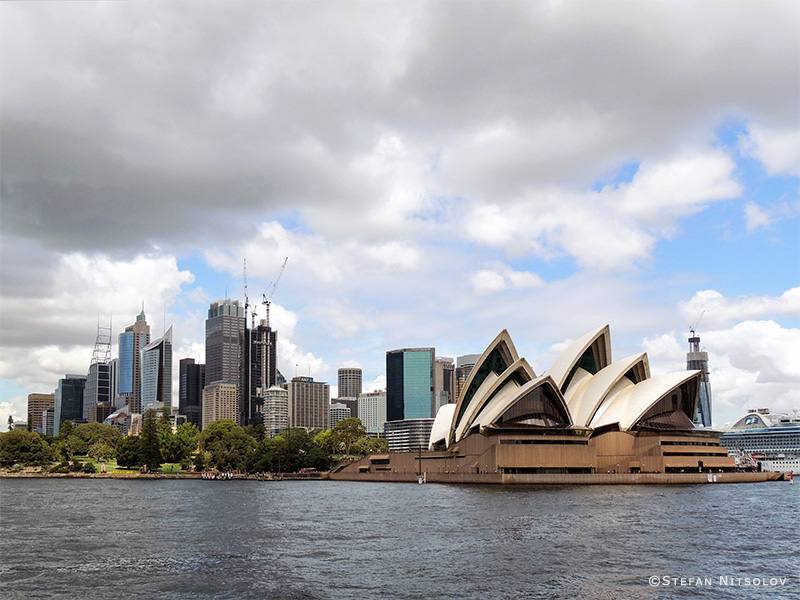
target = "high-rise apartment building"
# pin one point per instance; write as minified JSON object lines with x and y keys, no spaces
{"x":350,"y":383}
{"x":261,"y":371}
{"x":697,"y":360}
{"x":409,"y":384}
{"x":372,"y":411}
{"x":68,"y":402}
{"x":157,"y":373}
{"x":131,"y":343}
{"x":309,"y":403}
{"x":37,"y":403}
{"x":276,"y":410}
{"x":220,"y":401}
{"x":444,"y":382}
{"x":190,"y":390}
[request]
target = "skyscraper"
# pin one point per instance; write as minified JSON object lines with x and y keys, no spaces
{"x":444,"y":382}
{"x":98,"y":380}
{"x":409,"y":384}
{"x":68,"y":400}
{"x":261,"y":371}
{"x":224,"y":340}
{"x":698,"y":361}
{"x":190,"y":390}
{"x":157,"y":373}
{"x":38,"y":403}
{"x":131,"y":342}
{"x":309,"y":403}
{"x":350,"y":383}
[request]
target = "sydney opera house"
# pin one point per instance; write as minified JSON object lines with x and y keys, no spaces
{"x":586,"y":419}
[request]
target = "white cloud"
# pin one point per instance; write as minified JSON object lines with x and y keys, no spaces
{"x":763,"y":217}
{"x":501,"y":278}
{"x":613,"y":228}
{"x":662,"y":192}
{"x":777,"y":149}
{"x":716,"y":310}
{"x":393,"y":256}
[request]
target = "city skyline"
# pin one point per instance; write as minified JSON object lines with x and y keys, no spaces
{"x":435,"y":172}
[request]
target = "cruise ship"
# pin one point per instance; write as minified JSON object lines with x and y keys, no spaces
{"x":771,"y":440}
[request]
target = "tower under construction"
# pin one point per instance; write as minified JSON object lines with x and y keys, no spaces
{"x":697,"y":360}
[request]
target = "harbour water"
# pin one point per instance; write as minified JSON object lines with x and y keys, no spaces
{"x":176,"y":540}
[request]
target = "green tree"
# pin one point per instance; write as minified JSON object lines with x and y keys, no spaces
{"x":348,"y":431}
{"x":91,"y":433}
{"x":65,"y":430}
{"x":368,"y":445}
{"x":101,"y":450}
{"x":129,"y":451}
{"x":150,"y":444}
{"x":258,"y":432}
{"x":232,"y":450}
{"x":295,"y":449}
{"x":263,"y":458}
{"x":328,"y":440}
{"x":214,"y":432}
{"x":202,"y":460}
{"x":179,"y":446}
{"x":24,"y":447}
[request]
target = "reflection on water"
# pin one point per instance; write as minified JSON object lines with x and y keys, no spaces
{"x":334,"y":540}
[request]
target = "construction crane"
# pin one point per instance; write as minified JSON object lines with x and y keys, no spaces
{"x":247,"y":299}
{"x":271,"y":290}
{"x":694,"y":325}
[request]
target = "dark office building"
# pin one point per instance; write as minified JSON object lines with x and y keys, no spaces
{"x":69,"y":401}
{"x":190,"y":390}
{"x":261,"y":373}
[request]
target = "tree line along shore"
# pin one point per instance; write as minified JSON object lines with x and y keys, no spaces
{"x":223,"y":446}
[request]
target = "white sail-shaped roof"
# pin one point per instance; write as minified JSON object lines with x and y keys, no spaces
{"x":497,"y":357}
{"x":597,"y":340}
{"x":587,"y":392}
{"x":629,"y":406}
{"x":497,"y":409}
{"x":516,"y":375}
{"x":441,"y":425}
{"x":580,"y":389}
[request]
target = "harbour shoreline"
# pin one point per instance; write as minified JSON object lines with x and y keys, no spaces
{"x":449,"y":478}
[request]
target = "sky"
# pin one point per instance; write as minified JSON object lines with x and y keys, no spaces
{"x":435,"y":172}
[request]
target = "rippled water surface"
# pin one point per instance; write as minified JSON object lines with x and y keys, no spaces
{"x":104,"y":539}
